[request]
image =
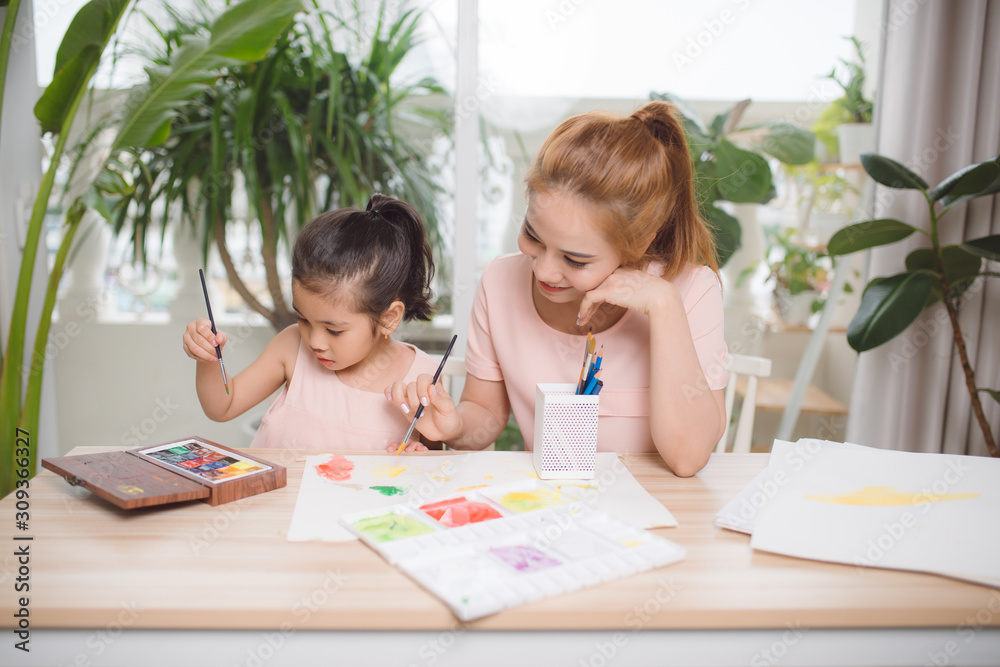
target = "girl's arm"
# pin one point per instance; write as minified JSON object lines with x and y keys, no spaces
{"x":686,"y":417}
{"x":248,"y":388}
{"x":477,"y":420}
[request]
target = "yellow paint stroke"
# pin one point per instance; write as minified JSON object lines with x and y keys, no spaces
{"x":388,"y":470}
{"x":474,"y":486}
{"x":885,"y":496}
{"x":487,"y":477}
{"x":632,"y":543}
{"x":128,"y":488}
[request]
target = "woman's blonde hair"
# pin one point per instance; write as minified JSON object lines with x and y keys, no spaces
{"x":637,"y":171}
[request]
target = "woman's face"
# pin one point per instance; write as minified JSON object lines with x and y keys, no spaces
{"x":569,"y":253}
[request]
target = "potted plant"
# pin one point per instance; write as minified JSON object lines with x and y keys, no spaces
{"x":857,"y":133}
{"x":826,"y":200}
{"x":307,"y":128}
{"x":244,"y":32}
{"x":730,"y":163}
{"x":933,"y":275}
{"x":800,"y":275}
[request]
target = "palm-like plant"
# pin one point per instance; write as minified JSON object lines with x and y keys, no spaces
{"x":245,"y":32}
{"x":306,"y":129}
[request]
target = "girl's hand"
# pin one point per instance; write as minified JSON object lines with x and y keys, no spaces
{"x":440,"y":420}
{"x":200,"y":342}
{"x":628,"y":288}
{"x":415,"y":446}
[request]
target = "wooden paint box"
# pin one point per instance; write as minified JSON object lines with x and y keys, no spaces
{"x":187,"y":469}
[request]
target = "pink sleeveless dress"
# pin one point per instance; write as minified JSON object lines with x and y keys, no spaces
{"x":316,"y":410}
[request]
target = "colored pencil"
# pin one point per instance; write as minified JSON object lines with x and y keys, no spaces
{"x":586,"y":365}
{"x":211,"y":318}
{"x":420,"y":408}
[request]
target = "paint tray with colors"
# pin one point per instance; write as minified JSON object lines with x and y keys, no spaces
{"x":213,"y":464}
{"x":493,"y":549}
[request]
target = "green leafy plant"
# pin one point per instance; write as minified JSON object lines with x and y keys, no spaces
{"x":308,"y":127}
{"x":245,"y":31}
{"x":940,"y":273}
{"x":730,"y":163}
{"x":851,"y":79}
{"x":796,"y":268}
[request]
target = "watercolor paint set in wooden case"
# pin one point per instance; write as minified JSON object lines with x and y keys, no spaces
{"x":187,"y":469}
{"x":498,"y":547}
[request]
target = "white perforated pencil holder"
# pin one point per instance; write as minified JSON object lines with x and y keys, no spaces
{"x":565,"y":432}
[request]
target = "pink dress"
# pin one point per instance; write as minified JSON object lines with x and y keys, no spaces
{"x":316,"y":410}
{"x":509,"y":341}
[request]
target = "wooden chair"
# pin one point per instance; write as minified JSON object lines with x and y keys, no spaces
{"x":753,"y":368}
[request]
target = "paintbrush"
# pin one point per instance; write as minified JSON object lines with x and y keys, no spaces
{"x":218,"y":350}
{"x":420,"y":408}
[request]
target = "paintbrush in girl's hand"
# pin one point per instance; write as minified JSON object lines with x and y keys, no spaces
{"x":218,"y":350}
{"x":420,"y":408}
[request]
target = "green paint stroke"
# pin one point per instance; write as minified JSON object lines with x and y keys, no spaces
{"x":389,"y":490}
{"x":390,"y":527}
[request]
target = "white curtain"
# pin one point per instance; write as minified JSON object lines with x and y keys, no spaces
{"x":938,"y":110}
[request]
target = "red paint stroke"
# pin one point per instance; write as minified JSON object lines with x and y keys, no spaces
{"x":460,"y":511}
{"x":337,"y":469}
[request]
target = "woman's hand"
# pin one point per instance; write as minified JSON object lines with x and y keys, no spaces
{"x":628,"y":288}
{"x":439,"y":420}
{"x":200,"y":342}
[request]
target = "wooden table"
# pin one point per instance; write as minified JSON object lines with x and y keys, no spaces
{"x":194,"y":584}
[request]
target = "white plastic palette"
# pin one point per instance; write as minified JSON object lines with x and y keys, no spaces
{"x":499,"y":547}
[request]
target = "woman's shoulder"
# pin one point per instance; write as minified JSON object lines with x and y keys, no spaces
{"x":506,"y":267}
{"x":693,"y":279}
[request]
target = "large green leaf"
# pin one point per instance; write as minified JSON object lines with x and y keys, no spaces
{"x":891,"y":173}
{"x":888,"y":307}
{"x":988,"y":247}
{"x":870,"y":234}
{"x":993,"y":393}
{"x":744,"y":176}
{"x":79,"y":52}
{"x":726,"y":230}
{"x":243,"y":33}
{"x":971,"y":181}
{"x":790,"y":143}
{"x":960,"y":267}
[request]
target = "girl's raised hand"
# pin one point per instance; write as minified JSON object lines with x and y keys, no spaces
{"x":200,"y":342}
{"x":439,"y":420}
{"x":628,"y":288}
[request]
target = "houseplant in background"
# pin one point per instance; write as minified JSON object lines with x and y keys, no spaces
{"x":310,"y":127}
{"x":855,"y":133}
{"x":800,"y":275}
{"x":940,"y":273}
{"x":244,"y":32}
{"x":730,"y":163}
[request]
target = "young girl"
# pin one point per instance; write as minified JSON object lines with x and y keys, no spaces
{"x":356,"y":275}
{"x":612,"y":240}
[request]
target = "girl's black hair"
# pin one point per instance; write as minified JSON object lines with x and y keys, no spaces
{"x":379,"y":255}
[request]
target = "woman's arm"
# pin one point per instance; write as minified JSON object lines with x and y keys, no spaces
{"x":686,"y":417}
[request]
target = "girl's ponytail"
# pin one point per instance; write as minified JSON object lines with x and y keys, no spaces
{"x":414,"y":289}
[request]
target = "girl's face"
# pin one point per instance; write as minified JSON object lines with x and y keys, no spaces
{"x":339,"y":336}
{"x":569,"y":254}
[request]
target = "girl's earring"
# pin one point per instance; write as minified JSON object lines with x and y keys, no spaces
{"x":385,"y":334}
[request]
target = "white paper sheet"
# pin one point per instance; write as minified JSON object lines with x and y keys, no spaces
{"x":881,"y":508}
{"x":415,"y":479}
{"x":740,"y":513}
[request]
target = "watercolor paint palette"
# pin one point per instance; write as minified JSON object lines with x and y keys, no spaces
{"x":188,"y":469}
{"x":492,"y":549}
